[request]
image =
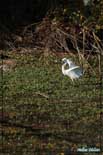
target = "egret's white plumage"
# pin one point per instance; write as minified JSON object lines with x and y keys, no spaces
{"x":73,"y":72}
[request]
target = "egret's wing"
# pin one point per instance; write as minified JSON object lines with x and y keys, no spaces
{"x":75,"y":72}
{"x":73,"y":68}
{"x":78,"y":71}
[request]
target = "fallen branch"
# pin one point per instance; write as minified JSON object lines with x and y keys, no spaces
{"x":42,"y":94}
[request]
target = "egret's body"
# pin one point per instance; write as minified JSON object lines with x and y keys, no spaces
{"x":73,"y":72}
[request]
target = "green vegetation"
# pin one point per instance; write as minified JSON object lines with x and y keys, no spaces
{"x":45,"y":110}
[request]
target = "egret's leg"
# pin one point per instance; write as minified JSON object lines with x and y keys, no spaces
{"x":72,"y":81}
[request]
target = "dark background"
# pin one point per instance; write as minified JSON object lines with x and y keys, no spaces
{"x":18,"y":12}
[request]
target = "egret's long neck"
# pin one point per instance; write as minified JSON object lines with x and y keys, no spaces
{"x":70,"y":63}
{"x":63,"y":68}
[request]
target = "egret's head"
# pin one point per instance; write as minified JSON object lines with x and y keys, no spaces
{"x":68,"y":61}
{"x":64,"y":60}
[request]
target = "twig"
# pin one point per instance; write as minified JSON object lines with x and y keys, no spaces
{"x":26,"y":27}
{"x":99,"y":49}
{"x":42,"y":94}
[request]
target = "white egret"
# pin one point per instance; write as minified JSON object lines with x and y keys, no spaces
{"x":73,"y":72}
